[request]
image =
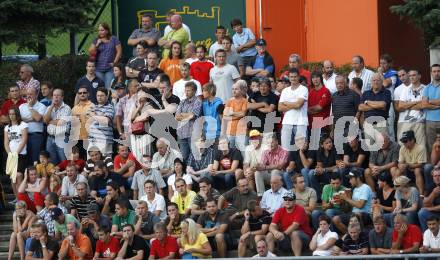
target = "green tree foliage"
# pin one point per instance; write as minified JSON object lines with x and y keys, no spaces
{"x":425,"y":15}
{"x":28,"y":23}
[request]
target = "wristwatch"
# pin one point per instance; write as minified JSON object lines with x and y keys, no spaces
{"x":43,"y":245}
{"x":401,"y":252}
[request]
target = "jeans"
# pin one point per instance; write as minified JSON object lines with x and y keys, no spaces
{"x":424,"y":214}
{"x":106,"y":76}
{"x":34,"y":146}
{"x":317,"y":213}
{"x":222,"y":181}
{"x":56,"y":153}
{"x":427,"y":169}
{"x":316,"y":180}
{"x":287,"y":178}
{"x":185,"y":147}
{"x":289,"y":133}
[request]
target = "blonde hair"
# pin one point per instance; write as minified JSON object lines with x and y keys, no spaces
{"x":56,"y":178}
{"x":242,"y":85}
{"x":193,"y":232}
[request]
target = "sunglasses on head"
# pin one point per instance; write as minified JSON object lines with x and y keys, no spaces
{"x":288,"y":199}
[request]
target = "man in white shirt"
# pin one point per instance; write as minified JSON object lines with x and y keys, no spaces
{"x":220,"y":33}
{"x":359,"y":71}
{"x":155,"y":201}
{"x":273,"y":198}
{"x":168,"y":27}
{"x":410,"y":107}
{"x":328,"y":76}
{"x":406,"y":83}
{"x":179,"y":86}
{"x":293,"y":103}
{"x":263,"y":250}
{"x":431,"y":236}
{"x":223,"y":75}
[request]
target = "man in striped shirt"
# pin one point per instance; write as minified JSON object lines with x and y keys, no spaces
{"x":101,"y":125}
{"x":81,"y":201}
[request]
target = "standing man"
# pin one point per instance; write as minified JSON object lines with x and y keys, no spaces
{"x":177,"y":33}
{"x":137,"y":63}
{"x":329,"y":76}
{"x":232,"y":57}
{"x":200,"y":69}
{"x":345,"y":103}
{"x":223,"y":75}
{"x":319,"y":104}
{"x":295,"y":62}
{"x":32,"y":113}
{"x":293,"y":103}
{"x":360,"y":71}
{"x":179,"y":86}
{"x":81,"y":110}
{"x":220,"y":33}
{"x":57,"y":121}
{"x":431,"y":104}
{"x":91,"y":81}
{"x":27,"y":81}
{"x":147,"y":33}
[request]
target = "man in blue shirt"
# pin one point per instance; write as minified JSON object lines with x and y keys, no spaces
{"x":431,"y":104}
{"x":262,"y":64}
{"x":244,"y":41}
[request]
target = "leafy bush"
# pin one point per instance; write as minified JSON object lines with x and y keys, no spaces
{"x":62,"y":71}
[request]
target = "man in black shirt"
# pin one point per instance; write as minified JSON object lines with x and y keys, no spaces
{"x":91,"y":81}
{"x":138,"y":63}
{"x":42,"y":245}
{"x":148,"y":75}
{"x":132,"y":245}
{"x":300,"y":161}
{"x":145,"y":220}
{"x":99,"y":180}
{"x":214,"y":224}
{"x":355,"y":243}
{"x":261,"y":104}
{"x":255,"y":226}
{"x":354,"y":159}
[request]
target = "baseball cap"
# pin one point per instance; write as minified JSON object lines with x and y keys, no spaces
{"x":353,"y":174}
{"x":254,"y":133}
{"x":92,"y":208}
{"x":289,"y":195}
{"x":55,"y":213}
{"x":408,"y":135}
{"x":261,"y":42}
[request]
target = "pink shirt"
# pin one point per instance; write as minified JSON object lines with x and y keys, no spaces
{"x":277,"y":156}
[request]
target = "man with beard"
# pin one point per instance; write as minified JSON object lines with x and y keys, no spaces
{"x":149,"y":34}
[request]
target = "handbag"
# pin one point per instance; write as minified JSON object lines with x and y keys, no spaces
{"x":138,"y":128}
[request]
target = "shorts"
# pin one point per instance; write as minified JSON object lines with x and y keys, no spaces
{"x":286,"y":245}
{"x":227,"y":239}
{"x":22,"y":163}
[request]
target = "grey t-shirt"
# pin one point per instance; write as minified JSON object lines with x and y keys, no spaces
{"x":381,"y":241}
{"x":152,"y":33}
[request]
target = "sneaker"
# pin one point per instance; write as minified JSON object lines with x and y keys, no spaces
{"x":13,"y":202}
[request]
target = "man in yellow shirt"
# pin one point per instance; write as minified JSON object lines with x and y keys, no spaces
{"x":183,"y":198}
{"x":177,"y":34}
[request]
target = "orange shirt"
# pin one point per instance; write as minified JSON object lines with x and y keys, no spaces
{"x":171,"y":68}
{"x":83,"y":243}
{"x":237,"y":105}
{"x":80,"y":111}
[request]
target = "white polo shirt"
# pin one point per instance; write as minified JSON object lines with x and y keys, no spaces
{"x":295,"y":116}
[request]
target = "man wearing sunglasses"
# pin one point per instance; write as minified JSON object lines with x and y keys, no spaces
{"x":290,"y":227}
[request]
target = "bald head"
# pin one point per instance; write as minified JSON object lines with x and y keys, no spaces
{"x":176,"y":21}
{"x":328,"y":67}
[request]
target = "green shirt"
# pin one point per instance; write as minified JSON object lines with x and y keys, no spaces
{"x":121,"y":221}
{"x":327,"y":193}
{"x":62,"y":228}
{"x":180,"y":35}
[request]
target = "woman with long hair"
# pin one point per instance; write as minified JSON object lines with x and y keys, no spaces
{"x":385,"y":201}
{"x":171,"y":64}
{"x":193,"y":242}
{"x":22,"y":219}
{"x":106,"y":50}
{"x":15,"y":140}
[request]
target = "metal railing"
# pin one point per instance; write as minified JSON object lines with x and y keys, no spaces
{"x":391,"y":256}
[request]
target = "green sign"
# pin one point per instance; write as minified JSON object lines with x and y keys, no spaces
{"x":202,"y":16}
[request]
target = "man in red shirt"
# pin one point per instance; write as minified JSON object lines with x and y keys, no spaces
{"x":407,"y":238}
{"x":164,"y":246}
{"x":290,"y":227}
{"x":319,"y":103}
{"x":107,"y":246}
{"x":14,"y":100}
{"x":125,"y":163}
{"x":295,"y":62}
{"x":200,"y":68}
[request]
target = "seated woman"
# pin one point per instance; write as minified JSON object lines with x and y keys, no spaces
{"x":193,"y":243}
{"x":324,"y":239}
{"x":22,"y":219}
{"x":385,"y":201}
{"x":31,"y":188}
{"x":55,"y":184}
{"x":407,"y":201}
{"x":179,"y":172}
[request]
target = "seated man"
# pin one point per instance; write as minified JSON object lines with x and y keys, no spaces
{"x":305,"y":196}
{"x":122,"y":217}
{"x":383,"y":160}
{"x":355,"y":243}
{"x":163,"y":159}
{"x":125,"y":163}
{"x":200,"y":159}
{"x":412,"y":156}
{"x":299,"y":161}
{"x":214,"y":224}
{"x":237,"y":199}
{"x":155,"y":201}
{"x":361,"y":201}
{"x":380,"y":237}
{"x":407,"y":238}
{"x":274,"y":161}
{"x":262,"y":64}
{"x":354,"y":158}
{"x":255,"y":227}
{"x":431,"y":201}
{"x":60,"y":223}
{"x":95,"y":155}
{"x":262,"y":250}
{"x":81,"y":201}
{"x":90,"y":225}
{"x":290,"y":227}
{"x":99,"y":179}
{"x":173,"y":220}
{"x":76,"y":245}
{"x":206,"y":192}
{"x":183,"y":197}
{"x":144,"y":174}
{"x":272,"y":199}
{"x":42,"y":244}
{"x":68,"y":190}
{"x":431,"y":236}
{"x":132,"y":246}
{"x":106,"y":246}
{"x":145,"y":221}
{"x":163,"y":246}
{"x":332,"y":205}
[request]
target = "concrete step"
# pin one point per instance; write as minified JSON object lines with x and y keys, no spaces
{"x":4,"y":255}
{"x":5,"y":237}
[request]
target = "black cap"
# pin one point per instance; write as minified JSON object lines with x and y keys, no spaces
{"x":290,"y":195}
{"x":408,"y":135}
{"x":354,"y":173}
{"x":55,"y":213}
{"x":261,"y":42}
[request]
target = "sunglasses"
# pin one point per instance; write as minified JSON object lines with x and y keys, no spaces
{"x":288,"y":199}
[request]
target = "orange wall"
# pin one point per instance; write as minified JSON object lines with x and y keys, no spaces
{"x":349,"y":28}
